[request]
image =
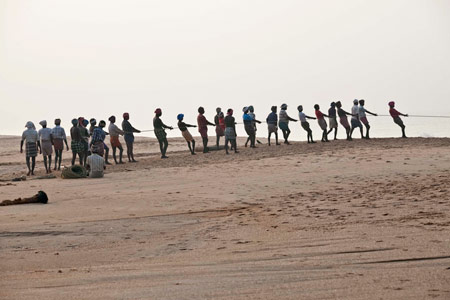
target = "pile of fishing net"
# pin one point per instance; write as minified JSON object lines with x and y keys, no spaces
{"x":74,"y":172}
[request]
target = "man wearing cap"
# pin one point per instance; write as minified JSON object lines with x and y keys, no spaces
{"x":185,"y":133}
{"x":395,"y":114}
{"x":45,"y":135}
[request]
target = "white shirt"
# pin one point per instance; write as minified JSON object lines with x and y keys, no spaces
{"x":302,"y":117}
{"x":59,"y":133}
{"x":96,"y":163}
{"x":283,"y":116}
{"x":44,"y":134}
{"x":30,"y":135}
{"x":355,"y":112}
{"x":114,"y":130}
{"x":362,"y":112}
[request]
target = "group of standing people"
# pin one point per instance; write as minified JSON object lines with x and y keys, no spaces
{"x":89,"y":144}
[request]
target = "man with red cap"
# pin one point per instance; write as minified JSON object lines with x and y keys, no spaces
{"x":128,"y":130}
{"x":395,"y":114}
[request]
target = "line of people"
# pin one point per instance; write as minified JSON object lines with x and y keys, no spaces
{"x":85,"y":142}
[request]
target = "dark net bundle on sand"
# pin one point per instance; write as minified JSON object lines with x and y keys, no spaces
{"x":40,"y":197}
{"x":74,"y":172}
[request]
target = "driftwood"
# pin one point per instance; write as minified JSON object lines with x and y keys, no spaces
{"x":40,"y":197}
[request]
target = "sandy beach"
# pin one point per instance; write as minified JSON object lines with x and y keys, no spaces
{"x":368,"y":219}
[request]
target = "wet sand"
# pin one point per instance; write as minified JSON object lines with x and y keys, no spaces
{"x":342,"y":220}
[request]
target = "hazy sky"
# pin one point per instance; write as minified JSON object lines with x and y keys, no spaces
{"x":95,"y":58}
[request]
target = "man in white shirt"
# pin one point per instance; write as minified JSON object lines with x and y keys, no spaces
{"x":355,"y":119}
{"x":59,"y":138}
{"x":95,"y":165}
{"x":32,"y":146}
{"x":114,"y":133}
{"x":363,"y":116}
{"x":45,"y":135}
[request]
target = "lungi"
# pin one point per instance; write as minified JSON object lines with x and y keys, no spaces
{"x":250,"y":129}
{"x":272,"y":128}
{"x":46,"y":147}
{"x":31,"y":149}
{"x":219,"y":131}
{"x":284,"y":126}
{"x":230,"y":134}
{"x":115,"y":141}
{"x":85,"y":145}
{"x":364,"y":120}
{"x":98,"y":147}
{"x":187,"y":136}
{"x":322,"y":124}
{"x":356,"y":123}
{"x":58,"y":144}
{"x":333,"y":122}
{"x":344,"y":122}
{"x":203,"y":132}
{"x":160,"y":134}
{"x":77,"y":146}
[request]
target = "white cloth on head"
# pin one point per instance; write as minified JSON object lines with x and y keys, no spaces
{"x":30,"y":125}
{"x":43,"y":123}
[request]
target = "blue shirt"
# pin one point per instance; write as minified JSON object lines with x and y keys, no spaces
{"x":247,"y":119}
{"x":332,"y":112}
{"x":272,"y":118}
{"x":98,"y":135}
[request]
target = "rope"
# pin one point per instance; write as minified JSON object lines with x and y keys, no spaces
{"x":420,"y":116}
{"x":378,"y":115}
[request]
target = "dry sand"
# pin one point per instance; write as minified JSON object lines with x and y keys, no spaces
{"x":358,"y":220}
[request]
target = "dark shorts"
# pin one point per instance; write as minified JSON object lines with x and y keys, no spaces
{"x":398,"y":121}
{"x":160,"y":134}
{"x":284,"y":126}
{"x":250,"y":129}
{"x":305,"y":126}
{"x":129,"y":138}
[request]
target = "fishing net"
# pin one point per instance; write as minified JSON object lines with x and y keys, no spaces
{"x":74,"y":172}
